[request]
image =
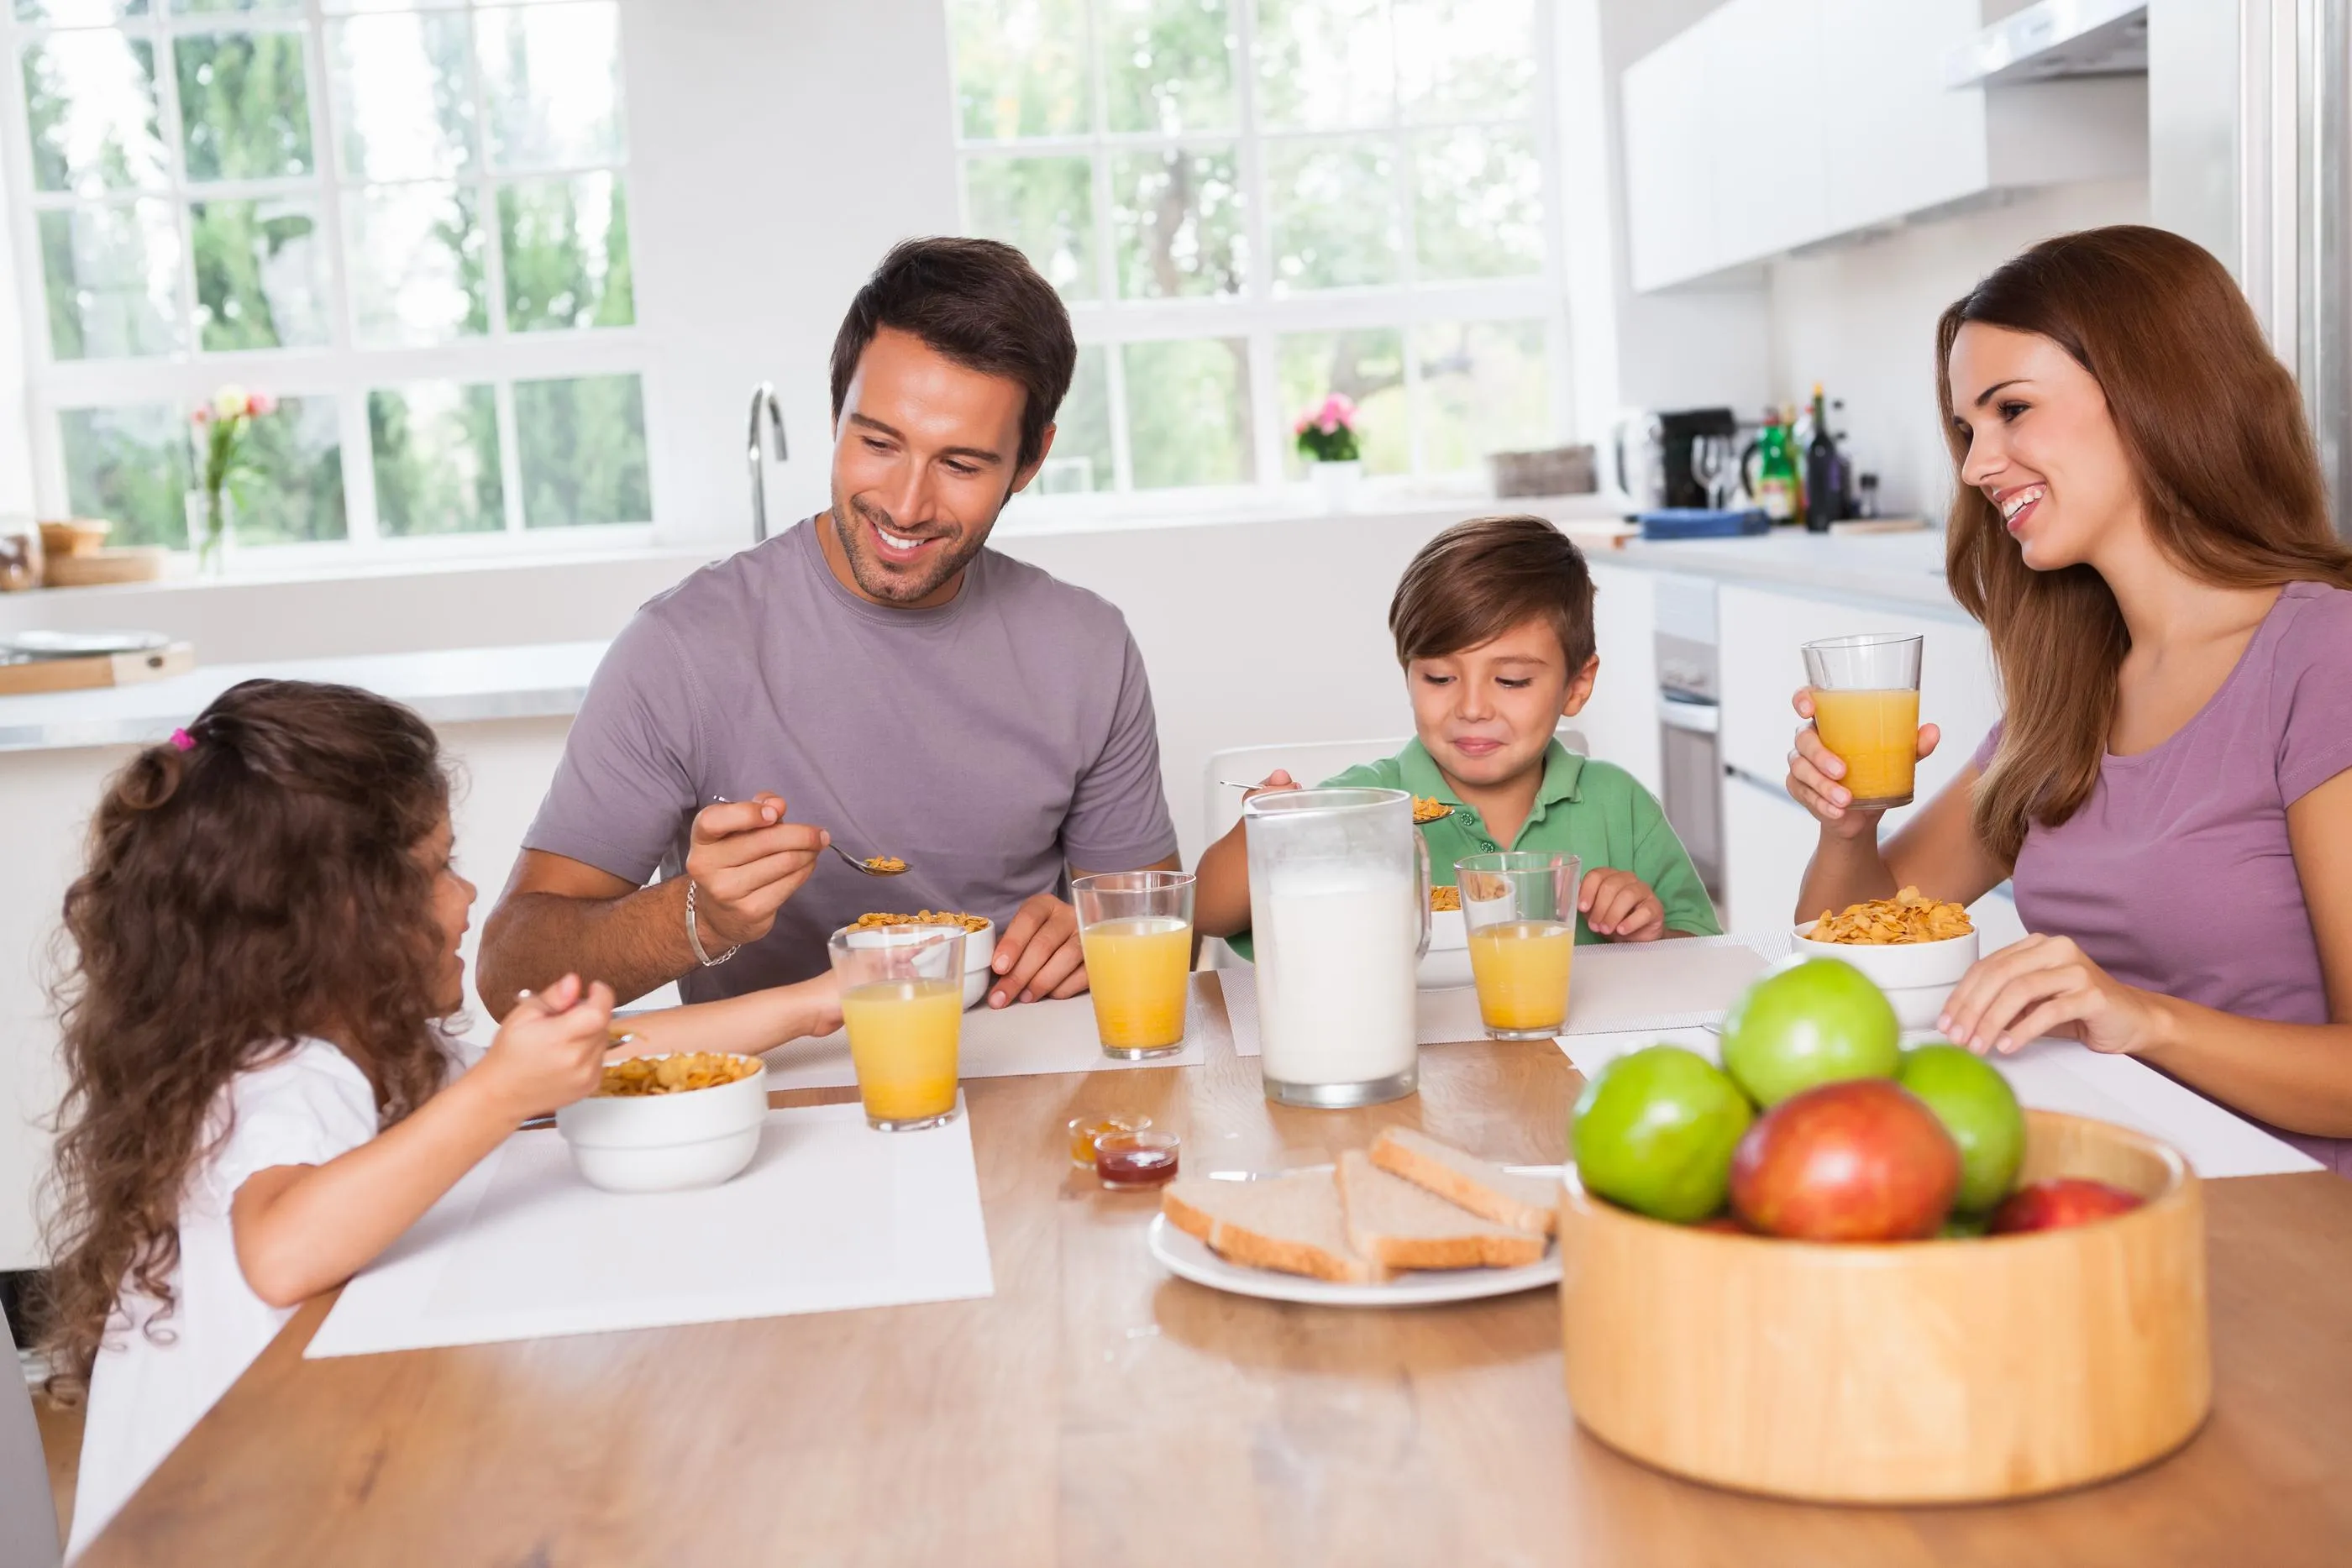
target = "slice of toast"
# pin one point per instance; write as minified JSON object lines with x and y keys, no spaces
{"x":1290,"y":1223}
{"x":1482,"y":1187}
{"x":1401,"y":1226}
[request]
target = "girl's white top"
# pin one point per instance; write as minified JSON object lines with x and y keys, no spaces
{"x":146,"y":1391}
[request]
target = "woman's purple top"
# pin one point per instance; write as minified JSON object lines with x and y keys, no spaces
{"x":2176,"y":875}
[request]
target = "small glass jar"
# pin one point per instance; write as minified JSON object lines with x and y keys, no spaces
{"x":1084,"y":1130}
{"x":1130,"y":1162}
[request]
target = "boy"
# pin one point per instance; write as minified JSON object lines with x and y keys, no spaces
{"x":1493,"y":623}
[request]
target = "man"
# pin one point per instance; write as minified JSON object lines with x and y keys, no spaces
{"x":875,"y":677}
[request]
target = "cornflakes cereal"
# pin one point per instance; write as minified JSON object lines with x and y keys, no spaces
{"x":1444,"y":898}
{"x":922,"y":917}
{"x":676,"y":1074}
{"x":1909,"y":916}
{"x":1428,"y":809}
{"x":885,"y":863}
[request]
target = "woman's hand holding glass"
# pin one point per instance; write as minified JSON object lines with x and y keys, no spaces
{"x":1814,"y":771}
{"x":2048,"y":986}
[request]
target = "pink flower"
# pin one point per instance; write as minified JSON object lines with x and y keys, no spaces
{"x":258,"y":404}
{"x":1299,"y":428}
{"x":203,"y":415}
{"x":1330,"y":424}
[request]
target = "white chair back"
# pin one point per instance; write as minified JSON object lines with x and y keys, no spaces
{"x":28,"y":1520}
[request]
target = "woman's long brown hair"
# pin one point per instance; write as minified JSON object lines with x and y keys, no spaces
{"x":256,"y":887}
{"x":2214,"y":431}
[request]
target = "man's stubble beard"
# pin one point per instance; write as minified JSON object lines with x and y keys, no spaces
{"x":850,"y":520}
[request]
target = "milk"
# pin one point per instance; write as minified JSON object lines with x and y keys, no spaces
{"x":1336,"y":951}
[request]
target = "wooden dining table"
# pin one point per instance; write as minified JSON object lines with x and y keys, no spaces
{"x":1095,"y":1412}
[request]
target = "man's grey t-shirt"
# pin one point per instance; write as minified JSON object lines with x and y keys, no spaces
{"x":988,"y":741}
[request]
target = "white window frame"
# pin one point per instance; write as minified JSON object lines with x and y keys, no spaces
{"x":1260,"y":316}
{"x":339,"y":369}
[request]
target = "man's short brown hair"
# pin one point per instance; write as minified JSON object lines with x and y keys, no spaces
{"x":1477,"y":580}
{"x":978,"y":303}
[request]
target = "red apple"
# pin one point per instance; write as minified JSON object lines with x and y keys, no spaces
{"x":1861,"y":1160}
{"x":2058,"y":1203}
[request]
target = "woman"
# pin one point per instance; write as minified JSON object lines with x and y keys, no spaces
{"x":2141,"y":526}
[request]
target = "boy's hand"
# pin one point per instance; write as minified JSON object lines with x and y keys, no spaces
{"x":1620,"y":905}
{"x":550,"y":1050}
{"x":1274,"y":783}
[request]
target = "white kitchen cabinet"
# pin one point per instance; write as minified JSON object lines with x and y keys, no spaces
{"x":1670,"y":160}
{"x":1900,"y":139}
{"x":1621,"y":722}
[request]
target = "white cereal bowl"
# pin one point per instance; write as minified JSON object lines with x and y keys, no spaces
{"x":1448,"y":962}
{"x":1915,"y":975}
{"x":666,"y":1143}
{"x":979,"y":948}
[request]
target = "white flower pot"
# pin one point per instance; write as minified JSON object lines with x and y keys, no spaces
{"x":1337,"y":482}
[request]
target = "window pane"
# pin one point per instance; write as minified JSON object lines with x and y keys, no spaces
{"x":1485,"y":387}
{"x":1081,"y":458}
{"x":1177,"y":225}
{"x":566,"y":243}
{"x":132,"y":466}
{"x":415,"y":259}
{"x":205,"y":7}
{"x":1332,"y":207}
{"x":1367,"y":365}
{"x":551,"y":78}
{"x":1477,"y":204}
{"x":582,"y":446}
{"x":111,"y":274}
{"x":436,"y":459}
{"x":294,"y":491}
{"x":90,"y":99}
{"x":1324,"y":64}
{"x":244,"y":109}
{"x":1465,"y":59}
{"x":1045,"y":206}
{"x":261,"y":274}
{"x":403,"y":100}
{"x":1019,"y":68}
{"x":1188,"y":412}
{"x":1168,"y":65}
{"x":78,"y":12}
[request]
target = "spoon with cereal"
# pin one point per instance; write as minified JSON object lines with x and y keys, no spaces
{"x":872,"y":865}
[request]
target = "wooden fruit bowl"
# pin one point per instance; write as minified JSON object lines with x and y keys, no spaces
{"x":1912,"y":1373}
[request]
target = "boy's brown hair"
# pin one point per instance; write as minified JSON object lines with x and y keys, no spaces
{"x":1477,"y":580}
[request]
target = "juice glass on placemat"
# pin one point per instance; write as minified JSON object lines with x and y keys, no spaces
{"x":1520,"y":909}
{"x":902,"y":1003}
{"x":1136,"y":927}
{"x":1866,"y":709}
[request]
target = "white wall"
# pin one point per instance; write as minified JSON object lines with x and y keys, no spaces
{"x":1861,"y":318}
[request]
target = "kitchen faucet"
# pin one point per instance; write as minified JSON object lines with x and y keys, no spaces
{"x":763,"y":396}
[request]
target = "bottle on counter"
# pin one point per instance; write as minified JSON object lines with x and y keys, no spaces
{"x":1823,"y":490}
{"x":1773,"y":479}
{"x":1868,"y":505}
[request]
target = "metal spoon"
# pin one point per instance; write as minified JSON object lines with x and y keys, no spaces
{"x":887,"y":867}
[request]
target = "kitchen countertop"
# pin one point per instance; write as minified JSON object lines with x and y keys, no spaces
{"x":452,"y":686}
{"x":1906,"y":568}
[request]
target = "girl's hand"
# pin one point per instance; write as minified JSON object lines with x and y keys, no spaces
{"x":1276,"y":782}
{"x":550,"y":1050}
{"x":2044,"y":986}
{"x":824,"y":1002}
{"x":1814,"y":771}
{"x":1621,"y":906}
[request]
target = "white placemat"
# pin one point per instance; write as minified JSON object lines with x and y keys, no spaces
{"x":1645,"y":985}
{"x":830,"y":1214}
{"x":2059,"y":1075}
{"x":1003,"y":1042}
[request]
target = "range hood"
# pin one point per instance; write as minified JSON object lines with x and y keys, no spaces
{"x":2055,"y":38}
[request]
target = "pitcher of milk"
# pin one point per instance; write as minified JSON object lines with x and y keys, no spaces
{"x":1339,"y":913}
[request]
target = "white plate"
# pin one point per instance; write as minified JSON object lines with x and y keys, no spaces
{"x":41,"y":644}
{"x":1189,"y":1258}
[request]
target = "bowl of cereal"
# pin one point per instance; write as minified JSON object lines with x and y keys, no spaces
{"x":1916,"y":947}
{"x":979,"y":942}
{"x":666,"y":1123}
{"x":1448,"y":962}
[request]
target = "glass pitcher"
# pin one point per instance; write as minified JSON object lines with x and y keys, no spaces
{"x":1339,"y":914}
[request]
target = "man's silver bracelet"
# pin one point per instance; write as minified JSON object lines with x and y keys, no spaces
{"x":693,"y":937}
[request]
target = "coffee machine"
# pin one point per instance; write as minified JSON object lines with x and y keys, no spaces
{"x":1654,"y":454}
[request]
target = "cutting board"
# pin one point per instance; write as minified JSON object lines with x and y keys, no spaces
{"x":20,"y":673}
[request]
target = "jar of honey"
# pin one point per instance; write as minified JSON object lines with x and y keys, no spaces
{"x":1084,"y":1130}
{"x":1128,"y":1161}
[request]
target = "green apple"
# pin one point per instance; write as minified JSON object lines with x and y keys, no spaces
{"x":1809,"y":1022}
{"x":1653,"y":1131}
{"x":1978,"y":1107}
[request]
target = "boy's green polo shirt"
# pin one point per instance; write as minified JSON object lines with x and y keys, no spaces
{"x":1594,"y":810}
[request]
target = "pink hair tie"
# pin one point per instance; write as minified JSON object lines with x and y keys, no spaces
{"x":183,"y":741}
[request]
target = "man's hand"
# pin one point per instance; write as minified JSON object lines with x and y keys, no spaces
{"x":1621,"y":906}
{"x":1037,"y":954}
{"x":745,"y":859}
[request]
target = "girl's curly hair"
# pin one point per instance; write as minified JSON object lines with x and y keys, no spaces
{"x":250,"y":883}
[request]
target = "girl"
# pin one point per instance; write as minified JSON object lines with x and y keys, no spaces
{"x":2141,"y":526}
{"x":259,"y":1095}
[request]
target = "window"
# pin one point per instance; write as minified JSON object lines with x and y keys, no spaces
{"x":407,"y":219}
{"x":1249,"y":203}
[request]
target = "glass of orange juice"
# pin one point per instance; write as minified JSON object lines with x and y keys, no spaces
{"x":902,"y":1003}
{"x":1520,"y":909}
{"x":1866,"y":709}
{"x":1135,"y":928}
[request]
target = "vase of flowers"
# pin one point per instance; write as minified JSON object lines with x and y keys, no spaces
{"x":1335,"y":459}
{"x":221,"y":427}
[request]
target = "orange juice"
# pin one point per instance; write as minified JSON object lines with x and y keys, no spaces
{"x":1521,"y":967}
{"x":1876,"y":735}
{"x":902,"y":1041}
{"x":1136,"y":970}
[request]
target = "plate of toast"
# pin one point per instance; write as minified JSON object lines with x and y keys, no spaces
{"x":1410,"y":1221}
